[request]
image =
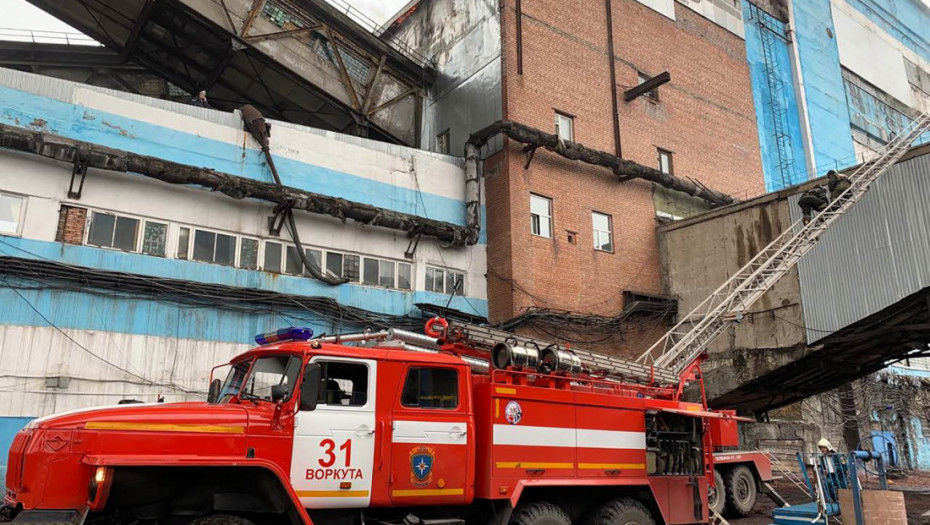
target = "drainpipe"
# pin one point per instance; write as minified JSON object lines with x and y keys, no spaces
{"x":800,"y":94}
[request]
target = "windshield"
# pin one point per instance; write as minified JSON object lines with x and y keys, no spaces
{"x":266,"y":373}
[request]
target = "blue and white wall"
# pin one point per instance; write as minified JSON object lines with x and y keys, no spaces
{"x":856,"y":71}
{"x":109,"y":345}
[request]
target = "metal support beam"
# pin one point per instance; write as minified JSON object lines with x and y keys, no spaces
{"x":137,"y":28}
{"x":393,"y":101}
{"x":281,"y":34}
{"x":78,"y":170}
{"x":257,"y":7}
{"x":346,"y":79}
{"x":373,"y":83}
{"x":646,"y":86}
{"x":519,"y":9}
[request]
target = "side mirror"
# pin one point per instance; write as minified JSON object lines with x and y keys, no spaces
{"x":310,"y":387}
{"x":213,"y":395}
{"x":278,"y":393}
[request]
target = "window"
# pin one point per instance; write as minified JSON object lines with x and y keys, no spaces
{"x":389,"y":274}
{"x":11,"y":213}
{"x":248,"y":254}
{"x":432,"y":388}
{"x":334,"y":264}
{"x":541,"y":216}
{"x":293,"y":265}
{"x":212,"y":247}
{"x":404,"y":276}
{"x":154,"y":238}
{"x":184,"y":241}
{"x":272,"y":257}
{"x":344,"y":384}
{"x":665,"y":161}
{"x":603,"y":236}
{"x":268,"y":372}
{"x":564,"y":126}
{"x":444,"y":281}
{"x":442,"y":143}
{"x":112,"y":231}
{"x":651,"y":94}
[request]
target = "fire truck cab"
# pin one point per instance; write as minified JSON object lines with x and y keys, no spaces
{"x":312,"y":431}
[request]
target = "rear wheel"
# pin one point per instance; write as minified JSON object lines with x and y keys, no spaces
{"x":716,"y":495}
{"x":220,"y":519}
{"x":540,"y":513}
{"x":741,"y":490}
{"x":621,"y":511}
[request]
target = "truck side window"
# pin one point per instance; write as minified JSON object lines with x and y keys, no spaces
{"x":431,"y":388}
{"x":344,"y":384}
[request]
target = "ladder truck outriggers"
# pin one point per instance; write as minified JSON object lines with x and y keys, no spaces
{"x":463,"y":425}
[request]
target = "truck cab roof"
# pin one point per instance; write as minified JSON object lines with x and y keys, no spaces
{"x":305,"y":348}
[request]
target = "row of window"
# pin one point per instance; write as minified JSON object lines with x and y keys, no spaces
{"x":108,"y":230}
{"x":541,"y":223}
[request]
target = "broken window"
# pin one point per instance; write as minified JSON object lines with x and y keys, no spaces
{"x":112,"y":231}
{"x":11,"y":211}
{"x":389,"y":274}
{"x":248,"y":254}
{"x":603,"y":236}
{"x":564,"y":126}
{"x":154,"y":238}
{"x":293,"y":264}
{"x":541,"y":216}
{"x":404,"y":276}
{"x":442,"y":142}
{"x":350,"y":267}
{"x":665,"y":161}
{"x":184,"y":240}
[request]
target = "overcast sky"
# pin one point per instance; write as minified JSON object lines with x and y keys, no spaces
{"x":20,"y":14}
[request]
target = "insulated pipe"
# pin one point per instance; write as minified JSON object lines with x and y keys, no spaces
{"x":255,"y":123}
{"x":623,"y":169}
{"x":472,"y":194}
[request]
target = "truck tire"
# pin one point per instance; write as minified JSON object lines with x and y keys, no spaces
{"x":540,"y":513}
{"x":621,"y":511}
{"x":220,"y":519}
{"x":741,"y":491}
{"x":717,"y":496}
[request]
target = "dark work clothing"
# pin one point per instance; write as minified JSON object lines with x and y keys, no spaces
{"x":838,"y":186}
{"x":199,"y":103}
{"x":814,"y":199}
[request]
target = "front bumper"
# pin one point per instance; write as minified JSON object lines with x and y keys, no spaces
{"x":44,"y":517}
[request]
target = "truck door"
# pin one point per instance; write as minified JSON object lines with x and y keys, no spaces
{"x":432,"y":449}
{"x":334,"y":444}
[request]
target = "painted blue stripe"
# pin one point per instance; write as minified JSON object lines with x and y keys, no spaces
{"x":115,"y":131}
{"x":382,"y":300}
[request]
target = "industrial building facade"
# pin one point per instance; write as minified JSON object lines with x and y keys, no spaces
{"x":119,"y":285}
{"x":833,"y":80}
{"x":567,"y":239}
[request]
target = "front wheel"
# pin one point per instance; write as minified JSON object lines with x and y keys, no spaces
{"x":623,"y":511}
{"x":540,"y":513}
{"x":741,"y":491}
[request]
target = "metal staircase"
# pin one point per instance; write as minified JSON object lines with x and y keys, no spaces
{"x":692,"y":336}
{"x":787,"y":474}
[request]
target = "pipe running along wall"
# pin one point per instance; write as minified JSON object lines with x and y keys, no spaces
{"x":623,"y":169}
{"x":100,"y":157}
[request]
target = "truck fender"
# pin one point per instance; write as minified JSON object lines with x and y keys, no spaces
{"x":181,"y":461}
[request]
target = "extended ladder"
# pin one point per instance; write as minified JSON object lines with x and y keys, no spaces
{"x":691,"y":337}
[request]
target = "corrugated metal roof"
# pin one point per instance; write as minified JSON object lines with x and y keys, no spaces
{"x":63,"y":90}
{"x":875,"y":255}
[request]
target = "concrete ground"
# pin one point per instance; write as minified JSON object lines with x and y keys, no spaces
{"x":916,"y":488}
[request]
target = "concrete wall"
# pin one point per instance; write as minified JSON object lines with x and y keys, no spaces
{"x":823,"y":85}
{"x":464,"y":41}
{"x":699,"y":254}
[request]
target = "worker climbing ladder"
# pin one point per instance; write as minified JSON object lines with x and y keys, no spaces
{"x":681,"y":346}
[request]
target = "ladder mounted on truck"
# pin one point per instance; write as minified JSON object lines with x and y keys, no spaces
{"x":681,"y":346}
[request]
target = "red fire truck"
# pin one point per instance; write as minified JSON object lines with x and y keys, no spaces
{"x":474,"y":426}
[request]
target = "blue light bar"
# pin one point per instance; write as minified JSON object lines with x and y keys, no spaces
{"x":285,"y":334}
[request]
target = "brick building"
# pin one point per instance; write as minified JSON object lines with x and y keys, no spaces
{"x":567,"y":239}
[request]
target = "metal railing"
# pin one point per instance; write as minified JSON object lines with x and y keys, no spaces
{"x":47,"y":37}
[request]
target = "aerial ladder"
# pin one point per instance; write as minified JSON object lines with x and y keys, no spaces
{"x":682,"y":346}
{"x":671,"y":361}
